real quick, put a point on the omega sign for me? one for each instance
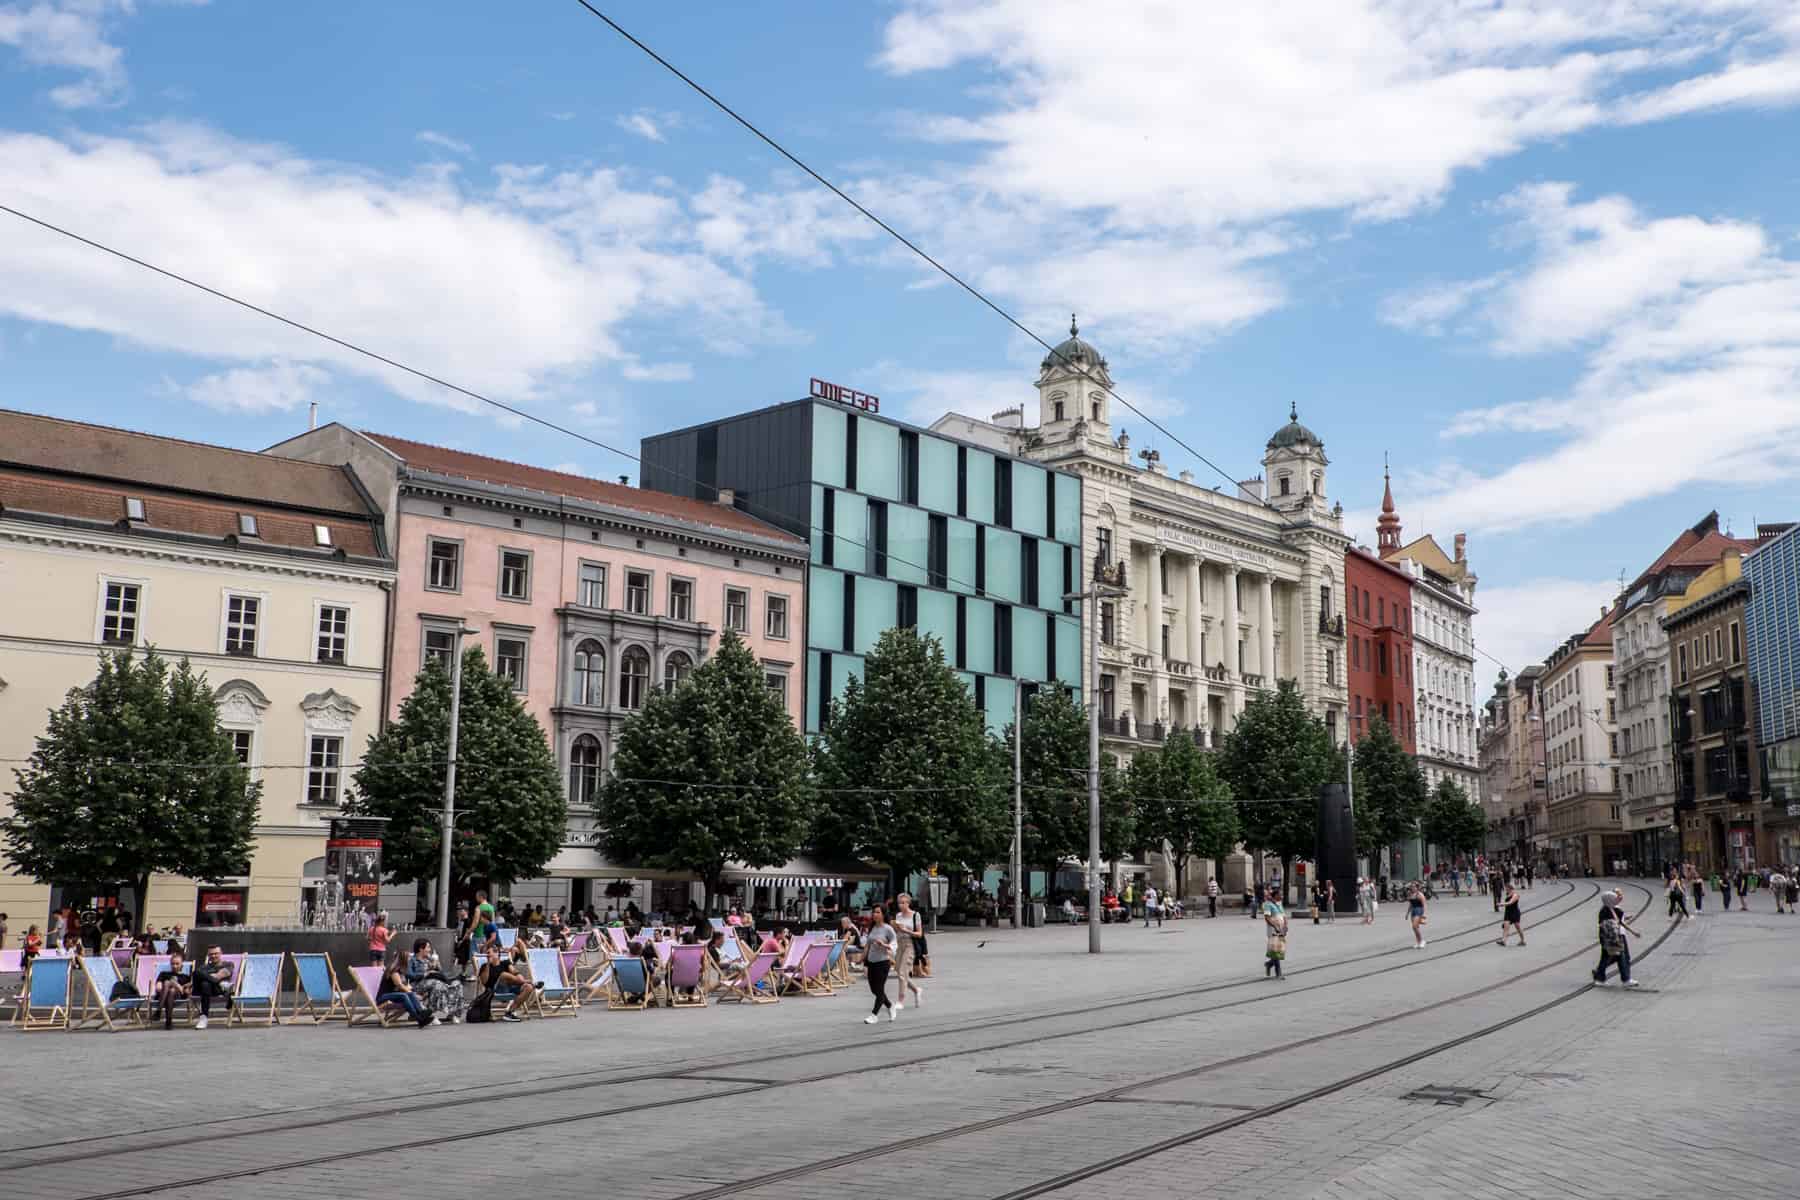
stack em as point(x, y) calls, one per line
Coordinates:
point(843, 395)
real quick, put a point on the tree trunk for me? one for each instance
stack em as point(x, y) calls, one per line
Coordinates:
point(1180, 875)
point(140, 897)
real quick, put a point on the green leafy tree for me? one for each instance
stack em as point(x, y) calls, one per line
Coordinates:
point(1451, 822)
point(510, 814)
point(907, 774)
point(1054, 786)
point(1275, 759)
point(711, 772)
point(1182, 804)
point(1390, 790)
point(133, 776)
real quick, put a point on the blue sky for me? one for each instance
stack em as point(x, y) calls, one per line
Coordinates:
point(1543, 255)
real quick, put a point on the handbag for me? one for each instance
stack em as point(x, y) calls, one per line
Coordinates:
point(481, 1009)
point(124, 989)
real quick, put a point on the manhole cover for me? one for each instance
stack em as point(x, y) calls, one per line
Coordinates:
point(1454, 1096)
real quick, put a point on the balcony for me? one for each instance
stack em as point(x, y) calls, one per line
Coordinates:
point(1253, 681)
point(1217, 674)
point(1178, 668)
point(1331, 626)
point(1141, 661)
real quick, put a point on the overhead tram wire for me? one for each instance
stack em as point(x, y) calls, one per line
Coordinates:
point(343, 343)
point(946, 272)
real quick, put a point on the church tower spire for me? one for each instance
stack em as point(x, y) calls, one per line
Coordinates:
point(1387, 525)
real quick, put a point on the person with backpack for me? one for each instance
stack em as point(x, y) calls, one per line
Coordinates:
point(1615, 928)
point(1677, 899)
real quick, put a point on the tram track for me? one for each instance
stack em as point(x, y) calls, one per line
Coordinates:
point(705, 1073)
point(46, 1154)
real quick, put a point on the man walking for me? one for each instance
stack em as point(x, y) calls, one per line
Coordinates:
point(1212, 897)
point(1496, 884)
point(1778, 883)
point(1615, 927)
point(1152, 907)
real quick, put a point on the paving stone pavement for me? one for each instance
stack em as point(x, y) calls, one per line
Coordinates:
point(1061, 1060)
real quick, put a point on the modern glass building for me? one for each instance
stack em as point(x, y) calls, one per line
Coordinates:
point(907, 528)
point(1772, 641)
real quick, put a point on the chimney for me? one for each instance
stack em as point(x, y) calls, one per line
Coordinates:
point(312, 415)
point(1187, 477)
point(624, 481)
point(1010, 418)
point(1251, 489)
point(1462, 546)
point(727, 498)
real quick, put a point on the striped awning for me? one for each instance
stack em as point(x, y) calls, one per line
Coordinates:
point(805, 881)
point(806, 871)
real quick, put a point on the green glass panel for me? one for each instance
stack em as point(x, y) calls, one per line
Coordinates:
point(978, 635)
point(1050, 575)
point(981, 487)
point(850, 522)
point(816, 537)
point(937, 474)
point(1068, 510)
point(877, 608)
point(909, 534)
point(825, 609)
point(962, 535)
point(812, 689)
point(999, 691)
point(829, 440)
point(937, 618)
point(878, 459)
point(844, 668)
point(1029, 485)
point(1028, 651)
point(1069, 650)
point(1003, 565)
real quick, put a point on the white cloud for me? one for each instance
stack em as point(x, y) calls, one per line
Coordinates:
point(925, 395)
point(277, 387)
point(1691, 375)
point(508, 291)
point(648, 124)
point(69, 35)
point(445, 142)
point(1428, 309)
point(669, 372)
point(1521, 623)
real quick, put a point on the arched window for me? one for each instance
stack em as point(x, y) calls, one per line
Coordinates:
point(634, 677)
point(676, 668)
point(584, 770)
point(1058, 409)
point(590, 674)
point(1285, 483)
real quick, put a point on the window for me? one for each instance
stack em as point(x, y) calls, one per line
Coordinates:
point(1058, 410)
point(637, 592)
point(584, 771)
point(1109, 626)
point(1325, 602)
point(324, 762)
point(775, 623)
point(440, 646)
point(590, 674)
point(444, 573)
point(247, 525)
point(240, 624)
point(242, 742)
point(590, 586)
point(1106, 697)
point(119, 620)
point(737, 610)
point(509, 660)
point(1165, 642)
point(1331, 667)
point(681, 600)
point(134, 509)
point(776, 682)
point(1095, 409)
point(1681, 663)
point(634, 677)
point(1737, 649)
point(1286, 484)
point(334, 633)
point(676, 668)
point(515, 575)
point(321, 535)
point(1103, 546)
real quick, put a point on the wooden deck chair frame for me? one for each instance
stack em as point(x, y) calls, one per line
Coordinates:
point(306, 1005)
point(558, 997)
point(266, 1009)
point(32, 1016)
point(387, 1017)
point(97, 1008)
point(616, 996)
point(749, 989)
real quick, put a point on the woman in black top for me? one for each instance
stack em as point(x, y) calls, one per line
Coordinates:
point(1510, 918)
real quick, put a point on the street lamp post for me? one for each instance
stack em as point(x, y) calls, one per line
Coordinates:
point(1018, 852)
point(449, 814)
point(1109, 583)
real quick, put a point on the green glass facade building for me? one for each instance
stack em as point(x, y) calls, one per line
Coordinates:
point(906, 528)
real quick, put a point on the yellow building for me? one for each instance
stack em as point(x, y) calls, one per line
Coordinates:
point(270, 575)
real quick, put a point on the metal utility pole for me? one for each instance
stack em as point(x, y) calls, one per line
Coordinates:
point(449, 813)
point(1018, 853)
point(1109, 583)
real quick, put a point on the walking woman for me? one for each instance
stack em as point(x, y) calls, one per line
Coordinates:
point(1365, 900)
point(1697, 884)
point(907, 929)
point(1677, 898)
point(1743, 891)
point(1276, 924)
point(879, 947)
point(1510, 918)
point(1415, 914)
point(1721, 881)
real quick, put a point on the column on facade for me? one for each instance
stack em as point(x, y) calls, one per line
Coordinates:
point(1266, 626)
point(1145, 588)
point(1197, 691)
point(1159, 686)
point(1230, 635)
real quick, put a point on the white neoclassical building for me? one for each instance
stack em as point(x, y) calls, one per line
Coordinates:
point(1230, 591)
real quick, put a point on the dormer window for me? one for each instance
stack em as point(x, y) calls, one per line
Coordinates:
point(1283, 484)
point(134, 509)
point(322, 535)
point(1096, 410)
point(247, 525)
point(1058, 410)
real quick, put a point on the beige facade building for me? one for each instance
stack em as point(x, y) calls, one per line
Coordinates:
point(272, 577)
point(1586, 825)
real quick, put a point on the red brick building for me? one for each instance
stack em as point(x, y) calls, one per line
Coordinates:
point(1378, 602)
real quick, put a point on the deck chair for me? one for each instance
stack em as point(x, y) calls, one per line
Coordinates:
point(808, 976)
point(149, 966)
point(11, 962)
point(595, 983)
point(629, 978)
point(366, 998)
point(835, 973)
point(757, 984)
point(507, 935)
point(617, 937)
point(44, 1004)
point(558, 997)
point(686, 975)
point(159, 945)
point(120, 952)
point(93, 983)
point(257, 996)
point(318, 996)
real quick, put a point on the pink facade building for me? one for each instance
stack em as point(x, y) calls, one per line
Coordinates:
point(585, 594)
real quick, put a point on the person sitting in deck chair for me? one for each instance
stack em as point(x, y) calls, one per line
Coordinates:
point(171, 987)
point(212, 977)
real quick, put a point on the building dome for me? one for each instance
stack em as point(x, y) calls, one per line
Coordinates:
point(1294, 433)
point(1074, 352)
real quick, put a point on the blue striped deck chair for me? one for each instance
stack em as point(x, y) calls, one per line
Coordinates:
point(507, 936)
point(836, 973)
point(558, 997)
point(628, 979)
point(160, 945)
point(94, 983)
point(44, 1004)
point(718, 923)
point(318, 996)
point(257, 997)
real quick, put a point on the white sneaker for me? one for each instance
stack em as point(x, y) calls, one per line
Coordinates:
point(436, 1019)
point(894, 1013)
point(869, 1020)
point(1422, 945)
point(897, 1007)
point(200, 1024)
point(919, 998)
point(1631, 983)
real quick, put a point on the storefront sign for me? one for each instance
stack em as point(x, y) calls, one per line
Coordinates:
point(1215, 551)
point(822, 390)
point(222, 902)
point(353, 858)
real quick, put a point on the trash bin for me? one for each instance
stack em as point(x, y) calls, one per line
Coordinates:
point(1035, 914)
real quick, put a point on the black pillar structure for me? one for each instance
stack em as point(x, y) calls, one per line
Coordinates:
point(1335, 853)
